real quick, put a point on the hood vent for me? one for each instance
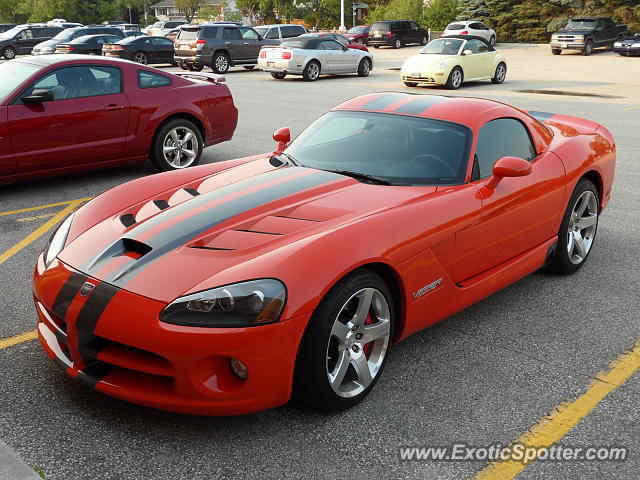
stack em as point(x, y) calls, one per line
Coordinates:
point(153, 207)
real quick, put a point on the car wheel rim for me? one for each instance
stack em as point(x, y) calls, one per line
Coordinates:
point(365, 68)
point(457, 78)
point(358, 342)
point(582, 227)
point(140, 58)
point(501, 73)
point(314, 71)
point(221, 63)
point(180, 147)
point(8, 54)
point(424, 41)
point(397, 43)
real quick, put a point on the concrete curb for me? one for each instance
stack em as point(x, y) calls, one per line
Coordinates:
point(13, 467)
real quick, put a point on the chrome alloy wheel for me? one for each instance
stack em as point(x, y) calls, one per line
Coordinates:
point(314, 71)
point(358, 343)
point(456, 78)
point(180, 147)
point(222, 64)
point(501, 73)
point(140, 58)
point(582, 227)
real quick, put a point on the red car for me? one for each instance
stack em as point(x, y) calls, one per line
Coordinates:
point(65, 113)
point(230, 287)
point(359, 34)
point(340, 39)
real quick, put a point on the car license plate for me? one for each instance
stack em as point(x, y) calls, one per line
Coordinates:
point(415, 74)
point(563, 45)
point(271, 64)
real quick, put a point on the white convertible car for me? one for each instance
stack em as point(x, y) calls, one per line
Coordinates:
point(452, 60)
point(312, 57)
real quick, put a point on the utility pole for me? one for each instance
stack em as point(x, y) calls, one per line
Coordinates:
point(342, 27)
point(146, 21)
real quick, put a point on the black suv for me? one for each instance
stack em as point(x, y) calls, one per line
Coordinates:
point(396, 33)
point(69, 34)
point(218, 46)
point(6, 26)
point(20, 40)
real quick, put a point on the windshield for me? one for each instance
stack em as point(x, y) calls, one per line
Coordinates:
point(65, 35)
point(13, 74)
point(380, 27)
point(579, 24)
point(356, 30)
point(11, 32)
point(400, 149)
point(443, 46)
point(455, 26)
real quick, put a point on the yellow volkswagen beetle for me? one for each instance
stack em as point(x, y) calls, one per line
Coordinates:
point(452, 60)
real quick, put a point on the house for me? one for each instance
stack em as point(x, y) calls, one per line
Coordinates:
point(166, 9)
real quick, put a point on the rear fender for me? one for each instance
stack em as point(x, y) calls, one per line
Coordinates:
point(565, 123)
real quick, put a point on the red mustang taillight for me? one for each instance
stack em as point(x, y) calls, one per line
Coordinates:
point(283, 54)
point(263, 54)
point(286, 55)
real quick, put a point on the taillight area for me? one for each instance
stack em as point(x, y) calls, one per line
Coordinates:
point(276, 54)
point(263, 54)
point(286, 55)
point(389, 34)
point(464, 32)
point(117, 47)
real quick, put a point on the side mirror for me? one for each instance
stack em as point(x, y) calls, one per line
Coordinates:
point(283, 137)
point(466, 52)
point(38, 96)
point(506, 167)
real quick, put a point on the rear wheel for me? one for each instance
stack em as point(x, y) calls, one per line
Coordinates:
point(397, 43)
point(500, 73)
point(344, 348)
point(423, 41)
point(578, 229)
point(588, 48)
point(376, 46)
point(183, 66)
point(141, 58)
point(194, 68)
point(456, 77)
point(178, 144)
point(364, 68)
point(9, 53)
point(220, 63)
point(249, 67)
point(312, 71)
point(556, 51)
point(492, 40)
point(278, 75)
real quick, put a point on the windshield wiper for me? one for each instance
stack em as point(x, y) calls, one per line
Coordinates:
point(290, 159)
point(363, 176)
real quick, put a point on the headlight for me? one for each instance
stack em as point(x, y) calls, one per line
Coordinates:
point(636, 45)
point(443, 64)
point(246, 304)
point(579, 37)
point(57, 241)
point(617, 44)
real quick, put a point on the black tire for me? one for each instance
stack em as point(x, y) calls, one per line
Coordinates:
point(220, 63)
point(183, 66)
point(141, 58)
point(397, 43)
point(360, 41)
point(492, 40)
point(561, 260)
point(194, 67)
point(249, 67)
point(312, 71)
point(278, 75)
point(376, 46)
point(311, 384)
point(157, 155)
point(588, 48)
point(423, 41)
point(411, 84)
point(499, 75)
point(364, 68)
point(453, 83)
point(556, 51)
point(9, 53)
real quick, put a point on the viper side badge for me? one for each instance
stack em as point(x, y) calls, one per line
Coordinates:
point(427, 288)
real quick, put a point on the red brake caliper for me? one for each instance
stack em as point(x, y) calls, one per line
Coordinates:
point(367, 347)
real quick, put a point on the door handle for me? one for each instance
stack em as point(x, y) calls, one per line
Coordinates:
point(114, 108)
point(246, 43)
point(227, 43)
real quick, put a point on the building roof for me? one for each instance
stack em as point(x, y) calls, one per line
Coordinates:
point(172, 3)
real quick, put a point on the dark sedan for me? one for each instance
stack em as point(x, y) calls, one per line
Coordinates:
point(87, 45)
point(143, 50)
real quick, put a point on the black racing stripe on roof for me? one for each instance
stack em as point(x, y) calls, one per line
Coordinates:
point(420, 104)
point(384, 101)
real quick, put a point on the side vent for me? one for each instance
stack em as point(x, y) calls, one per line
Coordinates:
point(134, 248)
point(192, 191)
point(161, 204)
point(128, 220)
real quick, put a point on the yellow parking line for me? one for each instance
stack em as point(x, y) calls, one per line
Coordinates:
point(23, 337)
point(35, 217)
point(567, 415)
point(41, 207)
point(71, 206)
point(632, 108)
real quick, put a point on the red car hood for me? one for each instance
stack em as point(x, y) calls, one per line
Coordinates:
point(162, 247)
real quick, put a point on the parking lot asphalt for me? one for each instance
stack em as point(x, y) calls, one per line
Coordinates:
point(486, 375)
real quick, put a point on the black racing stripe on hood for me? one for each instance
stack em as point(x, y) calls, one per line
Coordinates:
point(420, 104)
point(67, 293)
point(384, 101)
point(181, 233)
point(91, 312)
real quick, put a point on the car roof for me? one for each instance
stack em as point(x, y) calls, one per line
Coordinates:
point(310, 42)
point(48, 60)
point(279, 25)
point(84, 38)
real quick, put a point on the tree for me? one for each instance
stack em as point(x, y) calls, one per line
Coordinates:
point(189, 7)
point(322, 13)
point(440, 13)
point(404, 9)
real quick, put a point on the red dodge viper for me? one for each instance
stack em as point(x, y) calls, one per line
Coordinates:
point(230, 287)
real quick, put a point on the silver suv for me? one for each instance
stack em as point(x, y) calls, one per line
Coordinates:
point(218, 46)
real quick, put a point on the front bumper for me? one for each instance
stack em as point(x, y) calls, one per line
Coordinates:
point(113, 341)
point(438, 77)
point(567, 45)
point(627, 50)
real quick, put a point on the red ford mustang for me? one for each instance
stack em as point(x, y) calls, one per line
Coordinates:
point(65, 113)
point(226, 288)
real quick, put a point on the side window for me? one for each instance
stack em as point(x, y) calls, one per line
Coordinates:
point(210, 32)
point(147, 42)
point(272, 34)
point(504, 137)
point(152, 80)
point(25, 35)
point(79, 82)
point(414, 26)
point(231, 34)
point(161, 42)
point(79, 33)
point(249, 33)
point(290, 32)
point(475, 46)
point(331, 45)
point(475, 26)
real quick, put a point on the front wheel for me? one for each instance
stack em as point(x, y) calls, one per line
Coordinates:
point(312, 71)
point(397, 43)
point(344, 348)
point(455, 79)
point(500, 74)
point(220, 63)
point(141, 58)
point(178, 144)
point(492, 40)
point(364, 68)
point(423, 40)
point(194, 68)
point(411, 84)
point(278, 75)
point(588, 48)
point(578, 229)
point(376, 46)
point(556, 51)
point(9, 53)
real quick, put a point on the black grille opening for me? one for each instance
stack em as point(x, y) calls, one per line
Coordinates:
point(134, 246)
point(128, 220)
